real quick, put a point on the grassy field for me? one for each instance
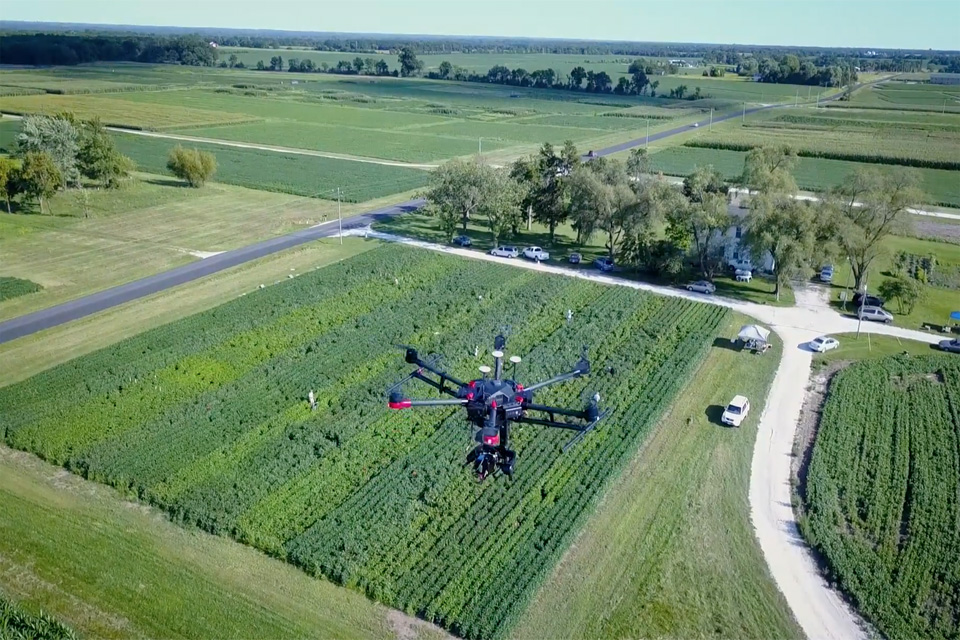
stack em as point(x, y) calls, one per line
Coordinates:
point(815, 174)
point(281, 459)
point(880, 501)
point(114, 569)
point(868, 347)
point(670, 552)
point(937, 302)
point(150, 225)
point(906, 95)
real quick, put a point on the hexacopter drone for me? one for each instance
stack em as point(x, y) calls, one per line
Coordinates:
point(492, 403)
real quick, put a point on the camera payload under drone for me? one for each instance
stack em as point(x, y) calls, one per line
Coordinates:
point(493, 403)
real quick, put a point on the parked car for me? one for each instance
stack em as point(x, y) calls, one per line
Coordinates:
point(591, 154)
point(823, 344)
point(826, 273)
point(741, 265)
point(701, 286)
point(463, 241)
point(736, 412)
point(743, 275)
point(871, 301)
point(535, 253)
point(604, 263)
point(950, 345)
point(875, 314)
point(505, 252)
point(695, 125)
point(574, 258)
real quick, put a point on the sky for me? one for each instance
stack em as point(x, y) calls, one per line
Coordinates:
point(907, 24)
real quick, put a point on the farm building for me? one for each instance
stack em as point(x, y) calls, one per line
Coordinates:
point(945, 78)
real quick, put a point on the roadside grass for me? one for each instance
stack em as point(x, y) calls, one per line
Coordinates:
point(34, 353)
point(148, 226)
point(868, 347)
point(937, 302)
point(423, 227)
point(670, 551)
point(113, 569)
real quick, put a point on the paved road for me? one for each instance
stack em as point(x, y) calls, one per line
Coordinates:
point(75, 309)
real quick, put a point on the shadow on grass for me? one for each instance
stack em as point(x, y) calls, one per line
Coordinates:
point(726, 343)
point(714, 412)
point(167, 182)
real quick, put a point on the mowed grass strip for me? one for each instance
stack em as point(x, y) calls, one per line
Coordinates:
point(297, 174)
point(670, 551)
point(117, 112)
point(111, 569)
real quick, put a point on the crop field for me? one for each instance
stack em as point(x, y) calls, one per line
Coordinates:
point(207, 419)
point(113, 111)
point(297, 174)
point(941, 187)
point(23, 624)
point(13, 287)
point(881, 498)
point(906, 95)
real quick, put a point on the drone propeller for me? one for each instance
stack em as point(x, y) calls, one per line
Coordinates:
point(431, 360)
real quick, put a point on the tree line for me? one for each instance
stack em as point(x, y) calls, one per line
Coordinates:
point(57, 152)
point(59, 49)
point(649, 224)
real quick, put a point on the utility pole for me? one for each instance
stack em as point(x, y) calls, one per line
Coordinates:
point(710, 126)
point(647, 143)
point(480, 146)
point(743, 117)
point(818, 99)
point(339, 217)
point(796, 100)
point(809, 89)
point(862, 300)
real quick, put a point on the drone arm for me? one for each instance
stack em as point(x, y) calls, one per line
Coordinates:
point(413, 358)
point(543, 422)
point(406, 403)
point(556, 410)
point(440, 386)
point(583, 368)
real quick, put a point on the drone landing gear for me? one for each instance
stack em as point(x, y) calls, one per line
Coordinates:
point(487, 460)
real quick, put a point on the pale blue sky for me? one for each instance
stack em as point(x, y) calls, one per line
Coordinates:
point(914, 24)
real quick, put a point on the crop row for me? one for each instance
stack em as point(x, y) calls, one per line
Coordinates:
point(207, 418)
point(882, 499)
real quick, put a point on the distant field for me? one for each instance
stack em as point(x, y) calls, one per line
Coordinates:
point(113, 111)
point(287, 173)
point(941, 186)
point(906, 95)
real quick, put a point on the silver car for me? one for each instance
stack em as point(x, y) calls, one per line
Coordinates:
point(875, 314)
point(701, 286)
point(505, 252)
point(950, 345)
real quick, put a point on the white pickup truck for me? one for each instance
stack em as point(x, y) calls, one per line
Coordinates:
point(535, 253)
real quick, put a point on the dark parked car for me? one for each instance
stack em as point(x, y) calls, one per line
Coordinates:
point(462, 241)
point(871, 301)
point(604, 263)
point(950, 345)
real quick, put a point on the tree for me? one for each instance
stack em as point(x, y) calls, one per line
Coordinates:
point(98, 156)
point(54, 135)
point(192, 165)
point(768, 169)
point(784, 228)
point(501, 204)
point(603, 200)
point(653, 88)
point(39, 176)
point(549, 198)
point(867, 207)
point(233, 60)
point(382, 68)
point(358, 64)
point(409, 64)
point(525, 172)
point(906, 291)
point(445, 69)
point(260, 65)
point(701, 221)
point(458, 189)
point(276, 63)
point(9, 179)
point(577, 75)
point(638, 164)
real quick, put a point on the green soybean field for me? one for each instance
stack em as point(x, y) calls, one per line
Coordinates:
point(207, 418)
point(882, 497)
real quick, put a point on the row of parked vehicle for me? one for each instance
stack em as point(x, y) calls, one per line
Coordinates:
point(538, 254)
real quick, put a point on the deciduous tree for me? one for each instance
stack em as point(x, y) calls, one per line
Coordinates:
point(39, 176)
point(192, 165)
point(98, 156)
point(410, 65)
point(9, 176)
point(57, 137)
point(457, 192)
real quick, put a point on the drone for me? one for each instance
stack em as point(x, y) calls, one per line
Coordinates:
point(493, 403)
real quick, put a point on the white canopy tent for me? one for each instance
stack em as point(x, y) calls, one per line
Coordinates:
point(750, 332)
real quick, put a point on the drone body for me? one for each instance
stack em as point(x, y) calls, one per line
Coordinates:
point(493, 403)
